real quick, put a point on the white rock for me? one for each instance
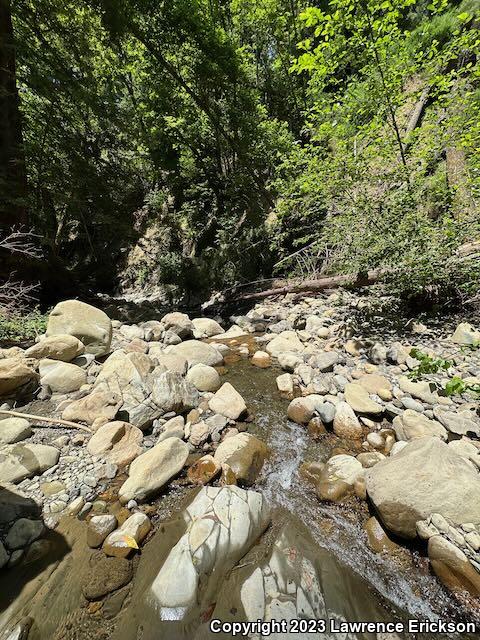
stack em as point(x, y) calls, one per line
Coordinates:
point(228, 402)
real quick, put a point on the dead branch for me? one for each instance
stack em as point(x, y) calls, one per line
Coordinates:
point(64, 423)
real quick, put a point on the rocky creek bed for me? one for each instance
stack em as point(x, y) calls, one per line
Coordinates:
point(301, 464)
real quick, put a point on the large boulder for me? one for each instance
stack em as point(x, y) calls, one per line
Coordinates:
point(245, 454)
point(14, 374)
point(465, 334)
point(95, 409)
point(425, 477)
point(61, 347)
point(459, 422)
point(301, 410)
point(146, 393)
point(14, 430)
point(222, 525)
point(411, 425)
point(285, 341)
point(169, 361)
point(153, 469)
point(61, 377)
point(228, 402)
point(178, 323)
point(116, 442)
point(90, 325)
point(196, 352)
point(18, 461)
point(206, 328)
point(338, 477)
point(452, 566)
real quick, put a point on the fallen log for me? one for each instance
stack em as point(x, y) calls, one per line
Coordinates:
point(328, 282)
point(53, 421)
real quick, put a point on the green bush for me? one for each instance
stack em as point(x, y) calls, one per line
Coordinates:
point(20, 329)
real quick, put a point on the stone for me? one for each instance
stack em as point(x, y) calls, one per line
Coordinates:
point(15, 504)
point(301, 410)
point(204, 470)
point(261, 359)
point(20, 461)
point(95, 409)
point(135, 528)
point(57, 347)
point(178, 323)
point(204, 378)
point(196, 352)
point(465, 448)
point(228, 402)
point(245, 454)
point(61, 377)
point(289, 361)
point(452, 566)
point(324, 361)
point(284, 341)
point(345, 422)
point(358, 398)
point(14, 374)
point(425, 477)
point(377, 537)
point(411, 425)
point(90, 325)
point(76, 506)
point(170, 361)
point(206, 328)
point(132, 331)
point(370, 458)
point(153, 469)
point(374, 383)
point(116, 442)
point(98, 529)
point(173, 428)
point(420, 390)
point(460, 422)
point(199, 433)
point(14, 430)
point(338, 477)
point(107, 575)
point(222, 525)
point(465, 334)
point(285, 383)
point(377, 353)
point(23, 532)
point(52, 488)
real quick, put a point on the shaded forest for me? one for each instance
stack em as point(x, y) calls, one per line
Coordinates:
point(183, 147)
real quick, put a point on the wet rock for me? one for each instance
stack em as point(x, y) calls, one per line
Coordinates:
point(116, 442)
point(178, 323)
point(465, 334)
point(98, 529)
point(150, 471)
point(90, 325)
point(425, 477)
point(301, 410)
point(204, 378)
point(58, 347)
point(460, 422)
point(411, 425)
point(14, 430)
point(223, 523)
point(358, 398)
point(261, 359)
point(133, 531)
point(61, 377)
point(196, 352)
point(338, 477)
point(316, 428)
point(107, 575)
point(345, 422)
point(14, 374)
point(452, 566)
point(204, 470)
point(245, 454)
point(370, 458)
point(23, 532)
point(228, 402)
point(206, 328)
point(4, 557)
point(377, 538)
point(20, 461)
point(286, 341)
point(20, 631)
point(227, 476)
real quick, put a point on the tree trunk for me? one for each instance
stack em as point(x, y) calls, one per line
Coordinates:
point(13, 182)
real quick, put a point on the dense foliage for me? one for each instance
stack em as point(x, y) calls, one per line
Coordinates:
point(198, 143)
